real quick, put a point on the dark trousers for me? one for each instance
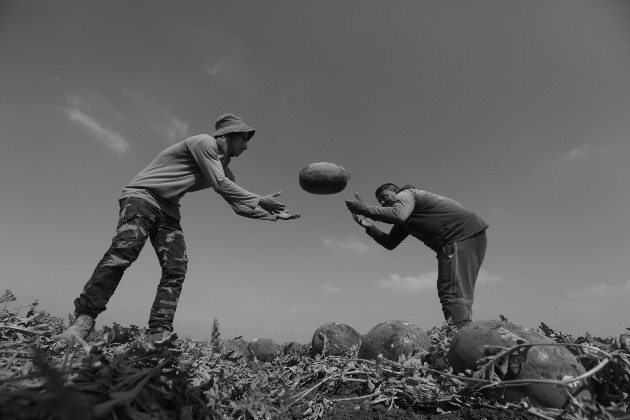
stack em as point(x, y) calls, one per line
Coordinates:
point(458, 266)
point(138, 221)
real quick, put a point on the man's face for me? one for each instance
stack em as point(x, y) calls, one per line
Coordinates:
point(237, 144)
point(386, 198)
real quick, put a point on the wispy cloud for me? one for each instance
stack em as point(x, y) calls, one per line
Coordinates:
point(222, 55)
point(413, 284)
point(136, 96)
point(331, 289)
point(580, 153)
point(217, 68)
point(352, 243)
point(486, 277)
point(174, 128)
point(157, 117)
point(581, 307)
point(589, 298)
point(106, 136)
point(613, 154)
point(425, 281)
point(599, 290)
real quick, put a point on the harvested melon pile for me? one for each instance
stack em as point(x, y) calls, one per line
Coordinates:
point(493, 369)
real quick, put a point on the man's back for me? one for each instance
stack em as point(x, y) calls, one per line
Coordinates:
point(437, 220)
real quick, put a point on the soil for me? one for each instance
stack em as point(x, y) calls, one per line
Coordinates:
point(350, 411)
point(355, 410)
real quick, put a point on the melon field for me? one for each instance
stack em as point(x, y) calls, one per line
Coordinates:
point(340, 373)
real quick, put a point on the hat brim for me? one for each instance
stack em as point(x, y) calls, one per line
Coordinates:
point(236, 128)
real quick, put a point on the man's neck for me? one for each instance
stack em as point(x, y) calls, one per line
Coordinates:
point(223, 148)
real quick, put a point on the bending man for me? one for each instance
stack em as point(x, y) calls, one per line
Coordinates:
point(456, 234)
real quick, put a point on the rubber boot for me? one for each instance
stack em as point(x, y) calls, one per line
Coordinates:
point(460, 314)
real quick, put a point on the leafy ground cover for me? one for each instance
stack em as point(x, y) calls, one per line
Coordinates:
point(117, 375)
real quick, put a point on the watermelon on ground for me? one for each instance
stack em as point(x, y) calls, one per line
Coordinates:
point(236, 348)
point(542, 362)
point(264, 349)
point(392, 339)
point(292, 347)
point(334, 339)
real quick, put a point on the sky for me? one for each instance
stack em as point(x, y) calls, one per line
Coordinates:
point(518, 110)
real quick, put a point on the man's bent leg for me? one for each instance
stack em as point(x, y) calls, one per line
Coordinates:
point(458, 267)
point(170, 249)
point(137, 218)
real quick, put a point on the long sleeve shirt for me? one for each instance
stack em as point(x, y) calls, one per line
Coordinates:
point(433, 219)
point(197, 163)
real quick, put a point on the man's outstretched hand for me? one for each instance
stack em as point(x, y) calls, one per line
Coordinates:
point(284, 215)
point(356, 206)
point(270, 204)
point(362, 221)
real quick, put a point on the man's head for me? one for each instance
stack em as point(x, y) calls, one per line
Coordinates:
point(386, 194)
point(236, 143)
point(235, 131)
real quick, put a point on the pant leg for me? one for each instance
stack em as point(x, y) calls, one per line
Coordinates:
point(458, 267)
point(170, 249)
point(136, 220)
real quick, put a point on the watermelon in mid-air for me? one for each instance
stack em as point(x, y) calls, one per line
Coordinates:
point(323, 178)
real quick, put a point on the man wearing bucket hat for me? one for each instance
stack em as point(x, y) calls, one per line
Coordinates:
point(149, 209)
point(456, 234)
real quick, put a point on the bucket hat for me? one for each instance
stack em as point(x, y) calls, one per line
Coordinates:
point(230, 123)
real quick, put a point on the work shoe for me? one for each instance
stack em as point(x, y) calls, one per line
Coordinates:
point(80, 328)
point(159, 337)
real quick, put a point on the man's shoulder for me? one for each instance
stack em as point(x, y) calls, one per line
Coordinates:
point(202, 142)
point(201, 139)
point(408, 194)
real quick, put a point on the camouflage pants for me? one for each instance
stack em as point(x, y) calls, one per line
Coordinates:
point(138, 221)
point(458, 266)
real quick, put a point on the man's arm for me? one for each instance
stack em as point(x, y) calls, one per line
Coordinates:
point(399, 212)
point(204, 151)
point(390, 240)
point(229, 174)
point(259, 213)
